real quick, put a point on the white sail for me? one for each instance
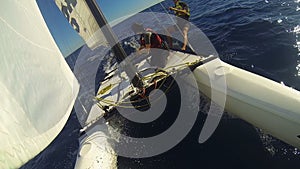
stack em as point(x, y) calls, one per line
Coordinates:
point(82, 20)
point(38, 89)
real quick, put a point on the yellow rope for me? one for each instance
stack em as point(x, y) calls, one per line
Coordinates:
point(121, 104)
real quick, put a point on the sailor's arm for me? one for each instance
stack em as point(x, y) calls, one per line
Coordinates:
point(148, 40)
point(179, 10)
point(146, 47)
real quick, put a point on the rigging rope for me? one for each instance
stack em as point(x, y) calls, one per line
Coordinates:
point(122, 104)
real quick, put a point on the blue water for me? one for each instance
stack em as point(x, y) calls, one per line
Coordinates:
point(259, 36)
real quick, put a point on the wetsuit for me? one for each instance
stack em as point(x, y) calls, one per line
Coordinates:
point(158, 47)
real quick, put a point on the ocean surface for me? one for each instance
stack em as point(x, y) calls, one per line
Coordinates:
point(260, 36)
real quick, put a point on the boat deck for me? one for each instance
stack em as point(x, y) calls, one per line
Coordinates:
point(117, 90)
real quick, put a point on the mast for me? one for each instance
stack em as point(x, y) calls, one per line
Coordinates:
point(117, 49)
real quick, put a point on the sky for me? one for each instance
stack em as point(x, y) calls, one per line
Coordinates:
point(66, 37)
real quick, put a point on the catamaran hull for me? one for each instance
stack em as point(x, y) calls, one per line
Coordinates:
point(96, 150)
point(266, 104)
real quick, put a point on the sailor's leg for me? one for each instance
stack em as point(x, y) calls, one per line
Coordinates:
point(185, 37)
point(170, 30)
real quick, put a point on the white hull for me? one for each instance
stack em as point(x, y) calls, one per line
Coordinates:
point(266, 104)
point(96, 150)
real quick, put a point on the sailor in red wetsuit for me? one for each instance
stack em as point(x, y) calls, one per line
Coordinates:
point(153, 43)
